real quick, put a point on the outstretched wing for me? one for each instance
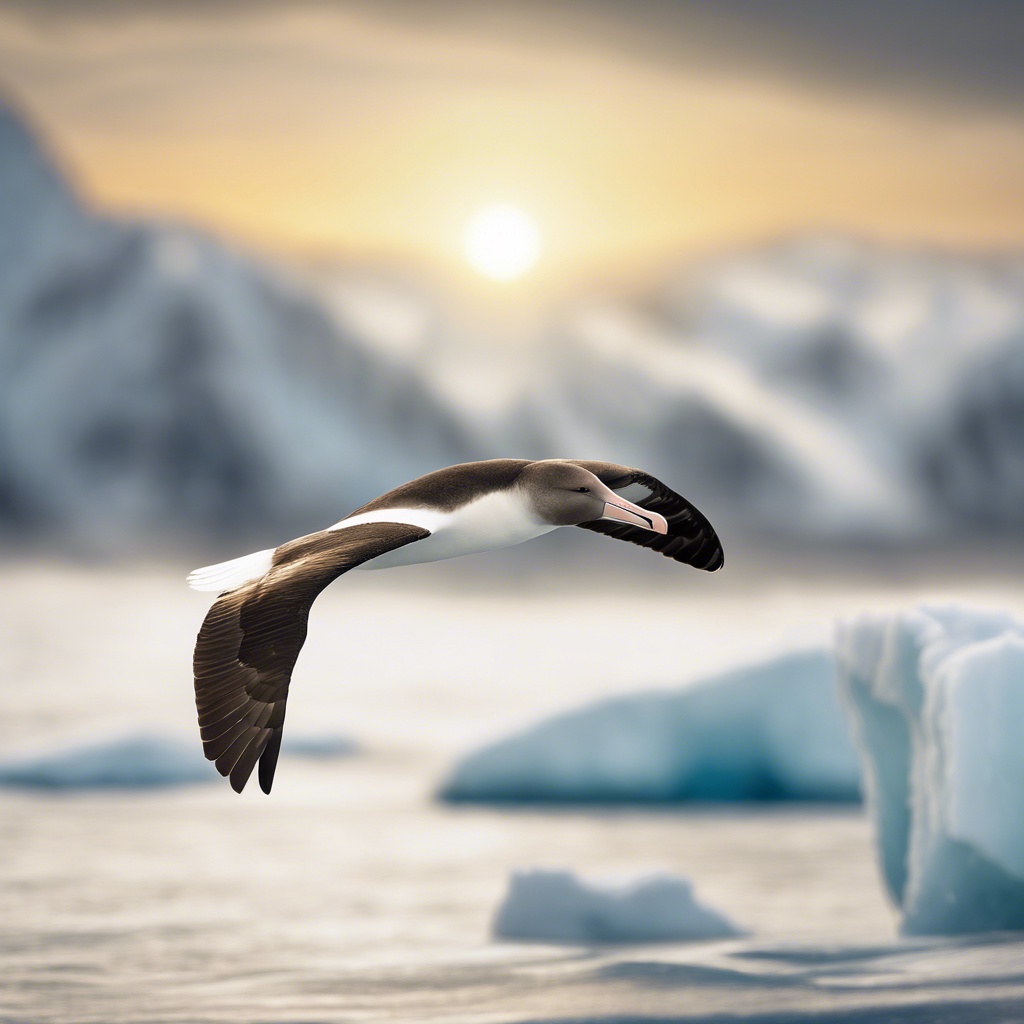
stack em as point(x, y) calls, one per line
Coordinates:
point(249, 641)
point(690, 538)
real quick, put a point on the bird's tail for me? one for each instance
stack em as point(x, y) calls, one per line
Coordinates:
point(229, 575)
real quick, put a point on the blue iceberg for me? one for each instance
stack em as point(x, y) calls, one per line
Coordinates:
point(139, 761)
point(142, 760)
point(773, 731)
point(937, 699)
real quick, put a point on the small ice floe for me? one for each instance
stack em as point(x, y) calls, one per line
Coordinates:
point(772, 731)
point(547, 905)
point(140, 760)
point(937, 698)
point(134, 761)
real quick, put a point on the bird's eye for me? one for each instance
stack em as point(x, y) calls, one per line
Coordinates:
point(583, 490)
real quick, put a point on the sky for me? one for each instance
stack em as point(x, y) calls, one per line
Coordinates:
point(631, 133)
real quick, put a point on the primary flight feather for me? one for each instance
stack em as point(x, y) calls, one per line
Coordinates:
point(251, 637)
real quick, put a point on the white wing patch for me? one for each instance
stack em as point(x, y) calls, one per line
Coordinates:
point(229, 575)
point(431, 519)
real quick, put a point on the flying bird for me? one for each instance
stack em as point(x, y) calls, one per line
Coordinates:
point(251, 637)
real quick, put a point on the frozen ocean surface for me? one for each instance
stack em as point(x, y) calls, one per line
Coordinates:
point(351, 894)
point(938, 697)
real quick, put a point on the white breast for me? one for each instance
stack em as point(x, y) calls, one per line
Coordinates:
point(497, 520)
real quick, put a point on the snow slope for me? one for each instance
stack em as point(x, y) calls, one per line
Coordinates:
point(773, 731)
point(937, 699)
point(557, 906)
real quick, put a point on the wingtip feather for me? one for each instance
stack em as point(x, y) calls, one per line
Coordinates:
point(268, 761)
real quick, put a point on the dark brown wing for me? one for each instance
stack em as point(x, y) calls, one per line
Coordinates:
point(690, 538)
point(248, 644)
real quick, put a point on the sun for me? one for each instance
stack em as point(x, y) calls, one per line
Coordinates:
point(502, 242)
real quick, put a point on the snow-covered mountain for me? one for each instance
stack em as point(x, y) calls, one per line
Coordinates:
point(819, 386)
point(153, 380)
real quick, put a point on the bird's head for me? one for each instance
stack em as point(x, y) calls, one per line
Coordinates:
point(566, 495)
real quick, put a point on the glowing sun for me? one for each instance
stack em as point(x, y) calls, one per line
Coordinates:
point(502, 242)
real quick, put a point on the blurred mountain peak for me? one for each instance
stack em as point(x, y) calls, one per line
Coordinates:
point(154, 383)
point(35, 199)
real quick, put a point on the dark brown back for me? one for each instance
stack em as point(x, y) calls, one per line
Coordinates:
point(450, 488)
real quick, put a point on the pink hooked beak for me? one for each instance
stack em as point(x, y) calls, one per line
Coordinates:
point(626, 512)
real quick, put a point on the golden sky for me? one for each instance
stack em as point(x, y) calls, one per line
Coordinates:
point(333, 128)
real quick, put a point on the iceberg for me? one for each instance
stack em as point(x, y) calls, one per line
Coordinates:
point(937, 701)
point(772, 731)
point(557, 906)
point(141, 760)
point(138, 761)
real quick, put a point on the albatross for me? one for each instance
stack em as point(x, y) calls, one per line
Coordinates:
point(251, 637)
